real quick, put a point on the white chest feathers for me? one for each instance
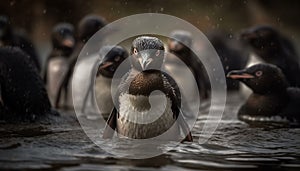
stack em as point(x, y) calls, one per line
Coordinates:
point(57, 68)
point(142, 117)
point(103, 88)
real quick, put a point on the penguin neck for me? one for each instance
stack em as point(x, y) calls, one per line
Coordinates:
point(280, 94)
point(60, 51)
point(272, 91)
point(274, 56)
point(264, 104)
point(145, 82)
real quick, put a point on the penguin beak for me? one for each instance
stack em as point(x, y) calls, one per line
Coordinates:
point(145, 60)
point(175, 45)
point(239, 74)
point(68, 42)
point(105, 65)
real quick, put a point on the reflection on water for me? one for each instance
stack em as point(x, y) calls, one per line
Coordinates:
point(234, 146)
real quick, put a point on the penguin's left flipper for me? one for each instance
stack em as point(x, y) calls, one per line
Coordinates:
point(111, 124)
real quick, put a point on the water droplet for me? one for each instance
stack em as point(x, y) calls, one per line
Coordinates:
point(207, 18)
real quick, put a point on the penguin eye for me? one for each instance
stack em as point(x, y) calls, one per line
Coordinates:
point(135, 51)
point(157, 53)
point(117, 58)
point(258, 73)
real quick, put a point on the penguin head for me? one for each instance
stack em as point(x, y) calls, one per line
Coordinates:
point(5, 28)
point(179, 40)
point(261, 78)
point(63, 36)
point(112, 57)
point(147, 53)
point(88, 26)
point(263, 39)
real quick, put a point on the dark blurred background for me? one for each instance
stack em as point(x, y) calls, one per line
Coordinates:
point(37, 17)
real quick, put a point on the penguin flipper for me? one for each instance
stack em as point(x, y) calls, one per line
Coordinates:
point(174, 93)
point(185, 128)
point(111, 124)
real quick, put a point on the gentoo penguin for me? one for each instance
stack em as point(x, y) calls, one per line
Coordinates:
point(231, 52)
point(274, 48)
point(63, 42)
point(87, 27)
point(111, 57)
point(10, 37)
point(23, 95)
point(272, 99)
point(148, 100)
point(179, 45)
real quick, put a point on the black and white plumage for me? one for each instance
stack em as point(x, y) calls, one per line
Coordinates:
point(23, 95)
point(111, 57)
point(272, 99)
point(148, 100)
point(63, 42)
point(11, 37)
point(87, 27)
point(274, 48)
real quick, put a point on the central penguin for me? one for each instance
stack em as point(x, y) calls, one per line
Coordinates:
point(148, 101)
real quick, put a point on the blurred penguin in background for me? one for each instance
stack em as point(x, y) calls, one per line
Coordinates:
point(110, 59)
point(274, 48)
point(56, 66)
point(11, 37)
point(178, 46)
point(231, 53)
point(87, 27)
point(23, 95)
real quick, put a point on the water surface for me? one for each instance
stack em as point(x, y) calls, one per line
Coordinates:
point(234, 146)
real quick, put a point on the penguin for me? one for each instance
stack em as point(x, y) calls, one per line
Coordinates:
point(139, 112)
point(111, 57)
point(23, 95)
point(10, 37)
point(232, 54)
point(274, 48)
point(87, 27)
point(177, 48)
point(272, 98)
point(63, 42)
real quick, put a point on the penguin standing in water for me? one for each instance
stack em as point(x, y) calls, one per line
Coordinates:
point(232, 54)
point(87, 27)
point(10, 37)
point(111, 58)
point(148, 100)
point(63, 42)
point(178, 49)
point(272, 47)
point(272, 100)
point(23, 95)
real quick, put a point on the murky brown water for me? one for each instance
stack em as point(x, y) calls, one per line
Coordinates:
point(234, 146)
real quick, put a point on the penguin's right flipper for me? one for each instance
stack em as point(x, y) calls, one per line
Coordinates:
point(185, 128)
point(111, 124)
